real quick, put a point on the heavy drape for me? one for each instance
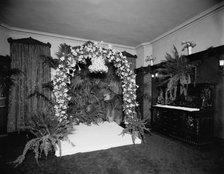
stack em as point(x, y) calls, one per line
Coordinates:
point(26, 55)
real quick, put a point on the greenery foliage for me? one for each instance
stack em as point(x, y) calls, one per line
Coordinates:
point(137, 128)
point(53, 63)
point(87, 91)
point(175, 71)
point(47, 131)
point(46, 128)
point(85, 106)
point(6, 78)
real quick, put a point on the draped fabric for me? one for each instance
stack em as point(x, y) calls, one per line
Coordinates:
point(26, 55)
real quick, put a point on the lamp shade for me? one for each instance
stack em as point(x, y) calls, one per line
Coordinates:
point(221, 61)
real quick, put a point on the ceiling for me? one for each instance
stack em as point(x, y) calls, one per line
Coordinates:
point(126, 22)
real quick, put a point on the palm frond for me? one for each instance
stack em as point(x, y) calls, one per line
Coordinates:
point(64, 50)
point(53, 63)
point(48, 131)
point(29, 145)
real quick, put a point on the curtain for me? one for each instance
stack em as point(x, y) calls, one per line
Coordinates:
point(26, 55)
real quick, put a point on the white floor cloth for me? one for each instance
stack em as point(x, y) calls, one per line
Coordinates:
point(95, 137)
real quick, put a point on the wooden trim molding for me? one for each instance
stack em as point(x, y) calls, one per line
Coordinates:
point(28, 40)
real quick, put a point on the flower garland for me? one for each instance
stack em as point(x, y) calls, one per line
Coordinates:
point(93, 51)
point(98, 65)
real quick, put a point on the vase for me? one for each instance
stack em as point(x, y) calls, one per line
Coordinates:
point(189, 50)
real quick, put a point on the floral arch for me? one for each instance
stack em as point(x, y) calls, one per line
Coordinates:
point(68, 58)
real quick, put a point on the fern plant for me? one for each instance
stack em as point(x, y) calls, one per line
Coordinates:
point(88, 92)
point(85, 105)
point(137, 128)
point(175, 71)
point(6, 78)
point(47, 131)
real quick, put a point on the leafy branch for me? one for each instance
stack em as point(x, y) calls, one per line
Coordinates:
point(175, 71)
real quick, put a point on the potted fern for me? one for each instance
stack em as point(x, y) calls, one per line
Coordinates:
point(137, 128)
point(46, 128)
point(6, 78)
point(47, 132)
point(175, 71)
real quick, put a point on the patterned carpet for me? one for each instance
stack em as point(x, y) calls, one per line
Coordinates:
point(159, 155)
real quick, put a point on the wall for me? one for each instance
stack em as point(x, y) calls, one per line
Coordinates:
point(205, 30)
point(4, 45)
point(143, 51)
point(140, 54)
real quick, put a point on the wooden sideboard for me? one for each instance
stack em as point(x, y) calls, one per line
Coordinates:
point(191, 125)
point(5, 62)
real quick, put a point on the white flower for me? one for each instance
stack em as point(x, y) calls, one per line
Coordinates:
point(62, 58)
point(98, 65)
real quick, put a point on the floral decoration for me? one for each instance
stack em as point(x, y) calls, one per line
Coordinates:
point(98, 65)
point(68, 63)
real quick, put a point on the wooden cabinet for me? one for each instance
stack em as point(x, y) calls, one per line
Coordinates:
point(4, 93)
point(143, 80)
point(191, 119)
point(191, 125)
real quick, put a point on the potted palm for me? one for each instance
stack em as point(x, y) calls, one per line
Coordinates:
point(6, 79)
point(47, 131)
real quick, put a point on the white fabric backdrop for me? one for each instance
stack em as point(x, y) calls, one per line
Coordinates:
point(95, 137)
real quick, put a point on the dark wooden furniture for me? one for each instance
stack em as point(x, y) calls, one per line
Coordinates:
point(143, 80)
point(191, 125)
point(193, 121)
point(5, 62)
